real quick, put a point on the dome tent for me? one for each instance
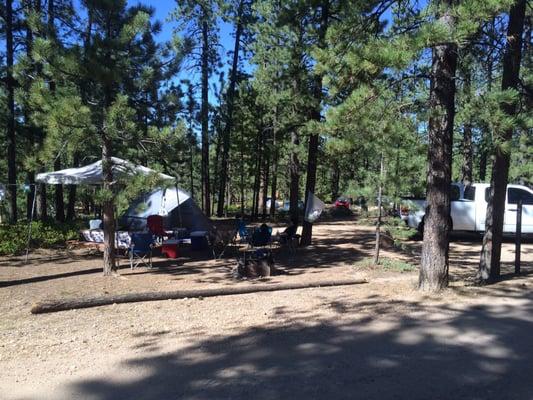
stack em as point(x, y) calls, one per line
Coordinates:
point(176, 206)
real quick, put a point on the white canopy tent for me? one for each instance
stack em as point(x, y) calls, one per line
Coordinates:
point(92, 174)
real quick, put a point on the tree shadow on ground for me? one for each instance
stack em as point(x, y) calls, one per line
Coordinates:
point(372, 349)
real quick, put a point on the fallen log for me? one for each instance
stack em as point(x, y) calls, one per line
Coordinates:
point(48, 306)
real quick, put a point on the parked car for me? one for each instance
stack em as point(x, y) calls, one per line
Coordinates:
point(469, 208)
point(287, 205)
point(342, 202)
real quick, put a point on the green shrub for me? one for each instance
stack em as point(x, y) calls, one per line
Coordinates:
point(399, 230)
point(387, 264)
point(13, 238)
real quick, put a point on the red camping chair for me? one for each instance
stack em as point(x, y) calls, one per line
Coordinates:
point(155, 226)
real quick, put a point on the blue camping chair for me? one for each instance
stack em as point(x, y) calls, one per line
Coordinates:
point(243, 231)
point(140, 250)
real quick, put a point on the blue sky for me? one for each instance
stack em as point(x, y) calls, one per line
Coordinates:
point(163, 8)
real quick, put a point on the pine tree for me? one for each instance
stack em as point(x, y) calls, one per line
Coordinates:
point(198, 22)
point(489, 265)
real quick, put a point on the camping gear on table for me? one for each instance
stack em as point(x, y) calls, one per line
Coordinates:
point(140, 250)
point(154, 224)
point(122, 238)
point(199, 240)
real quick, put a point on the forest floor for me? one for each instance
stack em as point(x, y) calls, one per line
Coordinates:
point(380, 340)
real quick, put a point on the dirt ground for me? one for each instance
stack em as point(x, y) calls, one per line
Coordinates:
point(380, 340)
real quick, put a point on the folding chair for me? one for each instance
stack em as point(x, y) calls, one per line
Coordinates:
point(140, 250)
point(243, 231)
point(155, 227)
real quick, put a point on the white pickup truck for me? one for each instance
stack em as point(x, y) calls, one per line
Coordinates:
point(469, 208)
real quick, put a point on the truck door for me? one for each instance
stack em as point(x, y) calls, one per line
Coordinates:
point(513, 195)
point(464, 211)
point(481, 200)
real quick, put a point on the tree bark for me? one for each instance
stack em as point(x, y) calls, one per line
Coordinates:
point(266, 173)
point(378, 224)
point(230, 106)
point(434, 260)
point(489, 264)
point(11, 136)
point(274, 187)
point(468, 154)
point(206, 195)
point(294, 188)
point(257, 177)
point(335, 177)
point(108, 209)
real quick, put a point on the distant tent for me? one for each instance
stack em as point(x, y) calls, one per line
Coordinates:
point(176, 207)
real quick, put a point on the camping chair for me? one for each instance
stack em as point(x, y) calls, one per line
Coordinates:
point(155, 227)
point(140, 250)
point(221, 240)
point(261, 236)
point(243, 231)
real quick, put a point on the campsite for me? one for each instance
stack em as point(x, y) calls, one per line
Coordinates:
point(264, 199)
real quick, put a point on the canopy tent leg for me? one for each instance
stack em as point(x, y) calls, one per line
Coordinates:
point(29, 226)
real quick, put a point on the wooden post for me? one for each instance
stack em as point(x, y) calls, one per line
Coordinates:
point(518, 237)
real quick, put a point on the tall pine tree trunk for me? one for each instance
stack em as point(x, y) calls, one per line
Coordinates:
point(266, 177)
point(31, 131)
point(230, 106)
point(206, 195)
point(273, 193)
point(489, 265)
point(58, 195)
point(11, 137)
point(108, 208)
point(380, 202)
point(485, 129)
point(312, 154)
point(434, 260)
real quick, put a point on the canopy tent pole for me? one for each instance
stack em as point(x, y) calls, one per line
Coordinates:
point(29, 226)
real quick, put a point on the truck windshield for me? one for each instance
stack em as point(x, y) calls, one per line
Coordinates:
point(455, 193)
point(515, 194)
